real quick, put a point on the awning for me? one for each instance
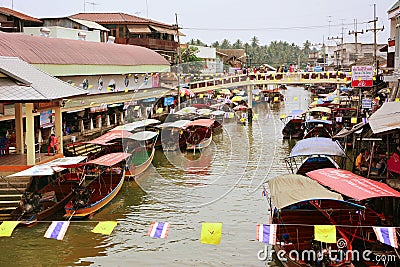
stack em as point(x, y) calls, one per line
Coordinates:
point(90, 24)
point(201, 122)
point(320, 109)
point(386, 118)
point(143, 136)
point(179, 124)
point(110, 159)
point(289, 189)
point(49, 168)
point(352, 185)
point(136, 124)
point(317, 146)
point(345, 132)
point(165, 30)
point(111, 135)
point(186, 110)
point(139, 29)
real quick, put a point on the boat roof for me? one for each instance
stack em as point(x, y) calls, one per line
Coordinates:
point(318, 121)
point(217, 112)
point(49, 168)
point(111, 135)
point(204, 111)
point(352, 185)
point(143, 135)
point(136, 124)
point(110, 159)
point(179, 124)
point(295, 113)
point(289, 189)
point(317, 146)
point(386, 118)
point(320, 109)
point(345, 132)
point(201, 122)
point(186, 110)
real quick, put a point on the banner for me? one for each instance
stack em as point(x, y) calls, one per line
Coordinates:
point(46, 119)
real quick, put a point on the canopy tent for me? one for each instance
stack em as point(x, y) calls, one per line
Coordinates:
point(111, 135)
point(237, 98)
point(317, 146)
point(320, 109)
point(49, 168)
point(352, 185)
point(110, 159)
point(143, 136)
point(136, 124)
point(386, 118)
point(201, 122)
point(289, 189)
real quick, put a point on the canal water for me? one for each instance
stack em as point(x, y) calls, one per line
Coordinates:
point(222, 184)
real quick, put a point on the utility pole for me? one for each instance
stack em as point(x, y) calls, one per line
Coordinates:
point(338, 53)
point(375, 30)
point(179, 60)
point(355, 32)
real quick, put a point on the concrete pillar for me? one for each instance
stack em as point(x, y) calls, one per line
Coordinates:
point(58, 128)
point(19, 129)
point(115, 119)
point(30, 135)
point(99, 121)
point(250, 103)
point(108, 120)
point(91, 124)
point(81, 126)
point(121, 118)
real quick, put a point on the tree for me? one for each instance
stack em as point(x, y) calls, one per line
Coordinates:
point(238, 44)
point(225, 44)
point(255, 42)
point(215, 44)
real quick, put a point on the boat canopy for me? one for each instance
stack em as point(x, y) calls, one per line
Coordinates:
point(49, 168)
point(143, 136)
point(295, 113)
point(136, 124)
point(352, 185)
point(204, 111)
point(111, 135)
point(110, 159)
point(386, 118)
point(179, 124)
point(289, 189)
point(320, 109)
point(186, 110)
point(318, 121)
point(201, 122)
point(345, 132)
point(317, 146)
point(218, 113)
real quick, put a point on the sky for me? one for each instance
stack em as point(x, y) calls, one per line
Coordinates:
point(294, 21)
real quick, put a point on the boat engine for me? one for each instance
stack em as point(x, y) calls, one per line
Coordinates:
point(81, 197)
point(30, 202)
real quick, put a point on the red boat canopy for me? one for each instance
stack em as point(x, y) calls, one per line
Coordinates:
point(201, 122)
point(111, 135)
point(110, 159)
point(352, 185)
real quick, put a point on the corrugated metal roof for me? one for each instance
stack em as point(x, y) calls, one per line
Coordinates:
point(27, 83)
point(90, 24)
point(21, 16)
point(44, 50)
point(386, 118)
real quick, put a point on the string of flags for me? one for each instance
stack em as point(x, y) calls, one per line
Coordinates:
point(211, 233)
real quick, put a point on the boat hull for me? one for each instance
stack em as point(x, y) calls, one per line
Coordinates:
point(136, 170)
point(203, 144)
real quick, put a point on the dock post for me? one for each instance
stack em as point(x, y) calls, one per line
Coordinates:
point(250, 103)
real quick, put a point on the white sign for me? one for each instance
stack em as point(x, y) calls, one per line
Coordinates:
point(361, 76)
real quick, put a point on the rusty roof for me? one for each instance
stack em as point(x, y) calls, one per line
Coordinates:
point(44, 50)
point(117, 18)
point(10, 12)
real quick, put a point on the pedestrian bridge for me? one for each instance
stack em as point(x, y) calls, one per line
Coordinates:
point(262, 79)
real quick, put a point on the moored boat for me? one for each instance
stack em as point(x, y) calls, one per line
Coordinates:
point(293, 125)
point(198, 134)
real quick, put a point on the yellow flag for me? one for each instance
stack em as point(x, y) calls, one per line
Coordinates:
point(325, 233)
point(126, 90)
point(397, 100)
point(211, 233)
point(324, 118)
point(256, 98)
point(315, 98)
point(105, 227)
point(283, 116)
point(353, 120)
point(255, 117)
point(90, 86)
point(136, 108)
point(295, 98)
point(276, 99)
point(159, 110)
point(7, 227)
point(231, 115)
point(201, 96)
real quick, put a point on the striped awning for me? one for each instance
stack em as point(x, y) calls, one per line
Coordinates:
point(139, 29)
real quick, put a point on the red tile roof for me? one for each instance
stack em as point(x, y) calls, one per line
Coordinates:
point(117, 18)
point(10, 12)
point(44, 50)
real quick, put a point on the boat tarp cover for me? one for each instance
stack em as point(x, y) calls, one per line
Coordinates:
point(320, 109)
point(317, 146)
point(136, 124)
point(110, 159)
point(111, 135)
point(295, 113)
point(352, 185)
point(290, 189)
point(386, 118)
point(49, 168)
point(179, 124)
point(201, 122)
point(143, 135)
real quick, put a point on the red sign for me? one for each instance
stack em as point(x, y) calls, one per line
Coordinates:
point(361, 76)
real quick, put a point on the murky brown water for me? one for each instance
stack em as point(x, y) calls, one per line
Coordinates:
point(223, 184)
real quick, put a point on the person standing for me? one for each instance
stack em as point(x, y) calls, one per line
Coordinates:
point(53, 143)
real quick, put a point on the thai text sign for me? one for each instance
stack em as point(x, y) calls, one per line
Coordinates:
point(361, 76)
point(367, 103)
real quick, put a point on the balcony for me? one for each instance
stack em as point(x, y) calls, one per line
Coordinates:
point(7, 25)
point(154, 44)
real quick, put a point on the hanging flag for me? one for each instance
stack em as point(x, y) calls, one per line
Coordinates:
point(283, 116)
point(386, 235)
point(158, 230)
point(105, 227)
point(159, 110)
point(126, 90)
point(231, 115)
point(226, 115)
point(325, 233)
point(201, 96)
point(276, 99)
point(324, 118)
point(295, 98)
point(255, 117)
point(266, 233)
point(353, 120)
point(7, 227)
point(339, 119)
point(57, 230)
point(365, 120)
point(211, 233)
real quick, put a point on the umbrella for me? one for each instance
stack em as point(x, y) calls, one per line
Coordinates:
point(237, 98)
point(225, 92)
point(186, 110)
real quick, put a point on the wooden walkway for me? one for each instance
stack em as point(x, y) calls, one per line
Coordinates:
point(13, 163)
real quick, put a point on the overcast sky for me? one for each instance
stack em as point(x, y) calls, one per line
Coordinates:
point(213, 20)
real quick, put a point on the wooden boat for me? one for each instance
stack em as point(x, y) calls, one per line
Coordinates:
point(317, 152)
point(317, 128)
point(40, 204)
point(294, 123)
point(198, 134)
point(171, 137)
point(141, 146)
point(93, 196)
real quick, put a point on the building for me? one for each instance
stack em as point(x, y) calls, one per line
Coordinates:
point(235, 58)
point(133, 30)
point(14, 21)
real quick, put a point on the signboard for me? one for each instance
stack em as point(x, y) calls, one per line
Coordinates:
point(101, 108)
point(361, 76)
point(46, 118)
point(168, 101)
point(367, 103)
